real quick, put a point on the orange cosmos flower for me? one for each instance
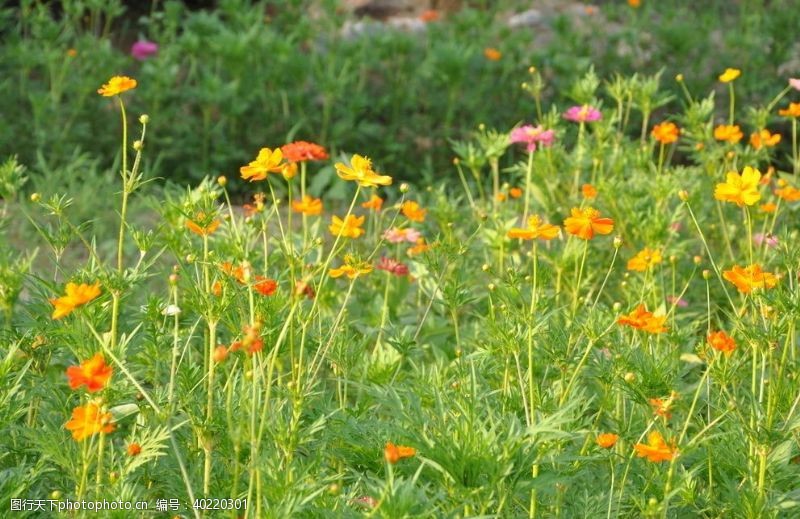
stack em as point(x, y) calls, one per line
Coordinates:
point(750, 278)
point(76, 295)
point(72, 53)
point(589, 192)
point(360, 171)
point(645, 259)
point(267, 161)
point(350, 227)
point(134, 449)
point(740, 189)
point(301, 151)
point(308, 206)
point(607, 440)
point(89, 420)
point(265, 286)
point(413, 211)
point(220, 354)
point(251, 341)
point(656, 449)
point(769, 207)
point(634, 3)
point(788, 193)
point(666, 133)
point(420, 248)
point(515, 192)
point(535, 229)
point(500, 197)
point(661, 407)
point(721, 341)
point(117, 85)
point(764, 138)
point(375, 203)
point(729, 75)
point(93, 373)
point(792, 111)
point(584, 223)
point(430, 15)
point(201, 226)
point(394, 453)
point(351, 268)
point(289, 170)
point(492, 54)
point(641, 319)
point(728, 133)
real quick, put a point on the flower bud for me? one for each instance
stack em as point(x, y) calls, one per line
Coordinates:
point(485, 267)
point(56, 495)
point(617, 306)
point(35, 197)
point(697, 260)
point(138, 145)
point(679, 78)
point(190, 258)
point(617, 242)
point(630, 377)
point(706, 274)
point(173, 279)
point(404, 188)
point(683, 195)
point(144, 118)
point(491, 287)
point(673, 259)
point(222, 180)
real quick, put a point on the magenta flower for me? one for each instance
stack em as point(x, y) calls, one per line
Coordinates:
point(583, 114)
point(531, 136)
point(397, 235)
point(143, 49)
point(794, 83)
point(760, 239)
point(392, 266)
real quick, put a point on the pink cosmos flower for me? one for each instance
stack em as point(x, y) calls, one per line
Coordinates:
point(794, 83)
point(678, 301)
point(396, 235)
point(583, 114)
point(392, 266)
point(760, 238)
point(143, 49)
point(676, 226)
point(531, 136)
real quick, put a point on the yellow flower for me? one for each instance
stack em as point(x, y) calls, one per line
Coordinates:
point(307, 205)
point(375, 203)
point(788, 193)
point(764, 138)
point(89, 420)
point(267, 161)
point(413, 211)
point(792, 111)
point(535, 229)
point(351, 268)
point(730, 74)
point(201, 226)
point(656, 449)
point(645, 259)
point(76, 295)
point(350, 227)
point(117, 85)
point(666, 132)
point(607, 440)
point(750, 278)
point(740, 189)
point(360, 171)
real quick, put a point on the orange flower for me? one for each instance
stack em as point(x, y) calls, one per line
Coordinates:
point(350, 227)
point(641, 319)
point(360, 171)
point(431, 15)
point(93, 373)
point(117, 85)
point(750, 278)
point(607, 440)
point(662, 407)
point(792, 111)
point(72, 53)
point(394, 453)
point(76, 295)
point(265, 286)
point(634, 3)
point(788, 193)
point(656, 449)
point(375, 203)
point(289, 170)
point(728, 133)
point(500, 197)
point(492, 54)
point(584, 223)
point(764, 138)
point(220, 354)
point(666, 133)
point(301, 151)
point(351, 268)
point(413, 211)
point(420, 248)
point(721, 341)
point(645, 259)
point(740, 189)
point(588, 191)
point(267, 161)
point(308, 206)
point(515, 192)
point(251, 341)
point(201, 226)
point(769, 207)
point(134, 449)
point(89, 420)
point(729, 75)
point(535, 229)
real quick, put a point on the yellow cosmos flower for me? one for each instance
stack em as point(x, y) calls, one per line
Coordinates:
point(117, 85)
point(764, 138)
point(729, 75)
point(792, 111)
point(750, 278)
point(740, 189)
point(645, 259)
point(267, 161)
point(350, 227)
point(360, 171)
point(728, 133)
point(307, 205)
point(413, 211)
point(536, 229)
point(76, 295)
point(351, 268)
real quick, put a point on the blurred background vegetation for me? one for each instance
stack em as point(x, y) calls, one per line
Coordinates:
point(232, 76)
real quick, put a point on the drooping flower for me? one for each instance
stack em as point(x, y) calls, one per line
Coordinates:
point(656, 448)
point(117, 85)
point(740, 189)
point(301, 151)
point(666, 132)
point(392, 266)
point(308, 206)
point(88, 420)
point(413, 211)
point(730, 133)
point(394, 453)
point(352, 268)
point(645, 259)
point(396, 235)
point(76, 295)
point(201, 224)
point(721, 341)
point(361, 172)
point(747, 279)
point(93, 373)
point(532, 136)
point(641, 319)
point(583, 114)
point(492, 54)
point(350, 227)
point(143, 49)
point(792, 111)
point(536, 229)
point(607, 440)
point(584, 223)
point(729, 75)
point(267, 161)
point(375, 203)
point(788, 193)
point(764, 138)
point(589, 192)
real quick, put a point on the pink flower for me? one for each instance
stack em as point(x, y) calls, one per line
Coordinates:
point(366, 501)
point(392, 266)
point(532, 135)
point(794, 83)
point(396, 235)
point(760, 238)
point(143, 49)
point(678, 301)
point(676, 226)
point(583, 114)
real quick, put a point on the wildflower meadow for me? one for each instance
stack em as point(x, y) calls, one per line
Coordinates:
point(590, 311)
